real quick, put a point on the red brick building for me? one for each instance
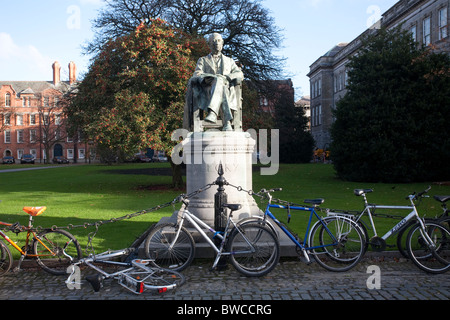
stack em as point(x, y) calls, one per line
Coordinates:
point(32, 119)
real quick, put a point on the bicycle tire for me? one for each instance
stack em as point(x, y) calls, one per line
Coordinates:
point(159, 247)
point(66, 250)
point(337, 243)
point(6, 259)
point(267, 249)
point(157, 280)
point(432, 260)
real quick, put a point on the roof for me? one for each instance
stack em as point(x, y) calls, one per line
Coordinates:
point(335, 49)
point(33, 87)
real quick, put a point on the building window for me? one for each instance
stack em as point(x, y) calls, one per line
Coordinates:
point(320, 115)
point(19, 153)
point(7, 136)
point(33, 153)
point(32, 136)
point(8, 100)
point(443, 33)
point(69, 153)
point(19, 136)
point(81, 153)
point(427, 31)
point(32, 119)
point(7, 119)
point(413, 31)
point(57, 134)
point(319, 84)
point(19, 120)
point(46, 101)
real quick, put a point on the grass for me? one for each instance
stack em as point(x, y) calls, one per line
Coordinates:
point(89, 193)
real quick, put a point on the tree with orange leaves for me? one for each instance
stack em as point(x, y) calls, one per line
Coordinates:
point(132, 97)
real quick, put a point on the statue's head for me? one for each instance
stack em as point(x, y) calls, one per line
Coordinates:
point(215, 42)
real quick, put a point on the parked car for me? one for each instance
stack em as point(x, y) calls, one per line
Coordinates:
point(27, 158)
point(8, 160)
point(142, 158)
point(60, 160)
point(160, 156)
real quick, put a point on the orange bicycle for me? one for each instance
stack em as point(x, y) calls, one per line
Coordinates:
point(53, 249)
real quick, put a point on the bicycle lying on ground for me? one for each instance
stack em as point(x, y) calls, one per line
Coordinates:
point(53, 250)
point(136, 275)
point(253, 249)
point(422, 241)
point(336, 243)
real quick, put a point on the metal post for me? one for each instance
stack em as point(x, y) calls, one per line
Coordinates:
point(220, 218)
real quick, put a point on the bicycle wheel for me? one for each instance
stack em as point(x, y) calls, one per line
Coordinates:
point(170, 247)
point(255, 249)
point(155, 279)
point(56, 250)
point(401, 238)
point(431, 257)
point(337, 243)
point(6, 258)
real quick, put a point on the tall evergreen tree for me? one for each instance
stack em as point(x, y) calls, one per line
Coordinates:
point(392, 125)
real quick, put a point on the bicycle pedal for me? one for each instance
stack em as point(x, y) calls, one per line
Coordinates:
point(96, 281)
point(306, 261)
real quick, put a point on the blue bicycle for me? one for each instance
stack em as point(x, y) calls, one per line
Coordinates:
point(336, 243)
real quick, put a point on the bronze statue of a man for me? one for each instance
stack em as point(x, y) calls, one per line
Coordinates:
point(215, 74)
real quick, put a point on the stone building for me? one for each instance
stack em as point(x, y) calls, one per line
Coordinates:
point(428, 22)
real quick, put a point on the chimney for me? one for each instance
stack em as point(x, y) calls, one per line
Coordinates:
point(72, 72)
point(56, 72)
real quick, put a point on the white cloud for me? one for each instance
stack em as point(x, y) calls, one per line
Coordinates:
point(19, 62)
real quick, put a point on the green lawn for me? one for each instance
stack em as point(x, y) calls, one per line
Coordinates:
point(89, 193)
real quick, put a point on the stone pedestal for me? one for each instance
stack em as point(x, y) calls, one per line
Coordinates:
point(203, 152)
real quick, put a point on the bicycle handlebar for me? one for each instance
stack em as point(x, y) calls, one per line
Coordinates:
point(415, 196)
point(270, 190)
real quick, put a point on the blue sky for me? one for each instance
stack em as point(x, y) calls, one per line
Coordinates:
point(34, 34)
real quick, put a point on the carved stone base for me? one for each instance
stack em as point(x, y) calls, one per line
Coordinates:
point(203, 152)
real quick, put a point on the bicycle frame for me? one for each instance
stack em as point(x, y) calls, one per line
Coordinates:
point(199, 225)
point(123, 276)
point(413, 214)
point(312, 211)
point(24, 253)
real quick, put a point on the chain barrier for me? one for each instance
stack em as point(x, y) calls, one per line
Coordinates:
point(17, 228)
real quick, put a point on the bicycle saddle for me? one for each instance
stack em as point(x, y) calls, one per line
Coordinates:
point(96, 281)
point(442, 198)
point(232, 207)
point(34, 211)
point(360, 192)
point(314, 201)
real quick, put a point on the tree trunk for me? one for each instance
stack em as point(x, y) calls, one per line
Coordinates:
point(177, 177)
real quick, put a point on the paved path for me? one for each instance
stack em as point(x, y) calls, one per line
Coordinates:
point(291, 280)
